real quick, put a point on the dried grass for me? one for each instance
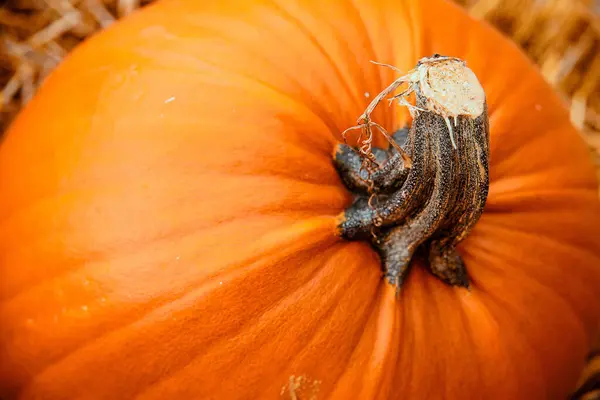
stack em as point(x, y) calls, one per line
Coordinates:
point(37, 34)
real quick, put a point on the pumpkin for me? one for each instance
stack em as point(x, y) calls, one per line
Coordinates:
point(169, 204)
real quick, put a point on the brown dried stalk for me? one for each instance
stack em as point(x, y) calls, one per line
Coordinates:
point(432, 201)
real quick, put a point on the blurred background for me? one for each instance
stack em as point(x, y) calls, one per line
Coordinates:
point(561, 36)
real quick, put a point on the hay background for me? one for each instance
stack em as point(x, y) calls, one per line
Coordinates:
point(561, 36)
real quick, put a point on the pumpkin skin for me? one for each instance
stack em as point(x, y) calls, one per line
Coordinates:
point(168, 211)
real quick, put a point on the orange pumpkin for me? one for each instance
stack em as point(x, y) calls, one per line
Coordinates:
point(168, 206)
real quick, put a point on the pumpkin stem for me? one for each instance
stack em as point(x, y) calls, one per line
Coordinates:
point(428, 192)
